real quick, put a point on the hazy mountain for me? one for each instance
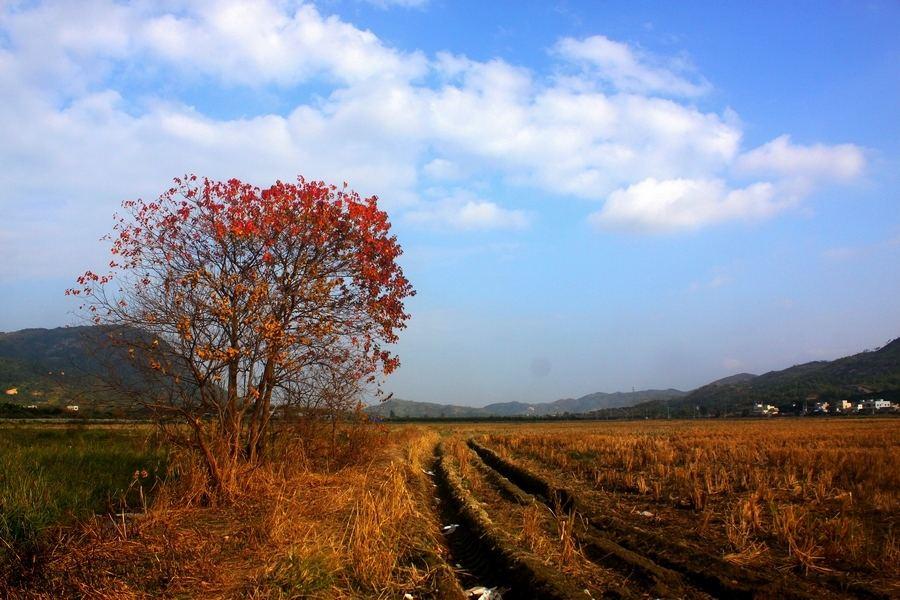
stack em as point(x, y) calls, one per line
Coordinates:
point(598, 400)
point(405, 409)
point(55, 367)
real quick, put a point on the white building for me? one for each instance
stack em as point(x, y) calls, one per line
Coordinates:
point(873, 404)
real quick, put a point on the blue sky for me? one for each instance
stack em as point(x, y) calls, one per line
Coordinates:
point(591, 196)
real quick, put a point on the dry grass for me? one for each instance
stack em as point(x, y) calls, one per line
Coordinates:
point(812, 496)
point(361, 530)
point(815, 495)
point(550, 535)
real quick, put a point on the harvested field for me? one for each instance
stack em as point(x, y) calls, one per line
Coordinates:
point(789, 508)
point(692, 509)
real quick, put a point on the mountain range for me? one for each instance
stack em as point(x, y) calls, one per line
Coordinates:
point(862, 375)
point(868, 373)
point(52, 368)
point(397, 408)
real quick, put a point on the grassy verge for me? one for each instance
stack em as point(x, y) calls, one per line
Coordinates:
point(55, 475)
point(299, 527)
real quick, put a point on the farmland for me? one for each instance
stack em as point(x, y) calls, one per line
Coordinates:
point(803, 508)
point(693, 509)
point(52, 475)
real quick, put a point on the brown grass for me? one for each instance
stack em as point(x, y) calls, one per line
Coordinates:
point(362, 529)
point(548, 534)
point(814, 495)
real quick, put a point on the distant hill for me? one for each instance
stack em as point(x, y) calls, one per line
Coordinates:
point(407, 409)
point(875, 372)
point(732, 379)
point(52, 368)
point(600, 400)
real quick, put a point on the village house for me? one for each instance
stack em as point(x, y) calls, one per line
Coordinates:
point(766, 410)
point(873, 404)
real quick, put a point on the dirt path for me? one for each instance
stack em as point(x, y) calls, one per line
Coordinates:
point(487, 555)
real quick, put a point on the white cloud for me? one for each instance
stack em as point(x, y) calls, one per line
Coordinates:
point(442, 169)
point(92, 114)
point(260, 41)
point(684, 204)
point(465, 212)
point(570, 141)
point(816, 162)
point(629, 70)
point(251, 42)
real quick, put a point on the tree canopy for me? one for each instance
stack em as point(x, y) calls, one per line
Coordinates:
point(254, 299)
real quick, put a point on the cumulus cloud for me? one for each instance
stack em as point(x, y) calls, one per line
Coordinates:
point(251, 42)
point(815, 162)
point(684, 204)
point(465, 212)
point(259, 41)
point(628, 70)
point(95, 110)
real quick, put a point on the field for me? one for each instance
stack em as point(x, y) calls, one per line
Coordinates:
point(56, 475)
point(798, 508)
point(794, 508)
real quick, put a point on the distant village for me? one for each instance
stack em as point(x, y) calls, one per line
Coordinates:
point(814, 406)
point(14, 391)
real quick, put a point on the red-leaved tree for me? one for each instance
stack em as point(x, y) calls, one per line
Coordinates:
point(238, 301)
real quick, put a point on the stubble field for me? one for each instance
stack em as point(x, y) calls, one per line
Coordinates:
point(790, 508)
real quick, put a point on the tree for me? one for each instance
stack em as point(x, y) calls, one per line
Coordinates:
point(247, 300)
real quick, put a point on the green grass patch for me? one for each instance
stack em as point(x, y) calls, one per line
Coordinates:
point(52, 475)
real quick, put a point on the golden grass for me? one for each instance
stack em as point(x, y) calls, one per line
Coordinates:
point(549, 534)
point(818, 495)
point(364, 530)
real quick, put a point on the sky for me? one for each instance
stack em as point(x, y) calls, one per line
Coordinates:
point(591, 196)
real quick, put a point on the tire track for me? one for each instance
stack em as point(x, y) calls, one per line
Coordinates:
point(654, 555)
point(490, 554)
point(642, 572)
